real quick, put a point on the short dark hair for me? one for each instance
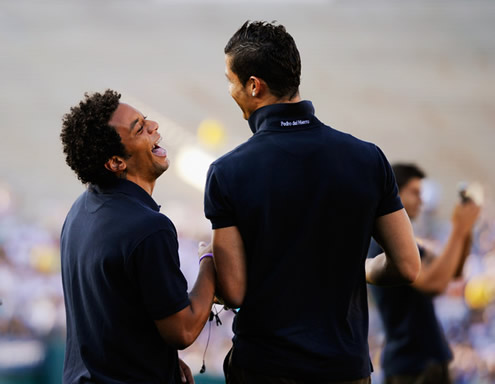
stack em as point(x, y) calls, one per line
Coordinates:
point(267, 51)
point(89, 141)
point(404, 172)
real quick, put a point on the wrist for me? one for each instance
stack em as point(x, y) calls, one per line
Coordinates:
point(460, 231)
point(206, 256)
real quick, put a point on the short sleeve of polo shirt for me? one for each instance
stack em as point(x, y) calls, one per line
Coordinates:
point(390, 200)
point(162, 285)
point(217, 202)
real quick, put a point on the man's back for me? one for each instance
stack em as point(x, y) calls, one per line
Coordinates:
point(304, 197)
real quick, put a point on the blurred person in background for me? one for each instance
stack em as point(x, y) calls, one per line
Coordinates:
point(128, 310)
point(293, 210)
point(416, 350)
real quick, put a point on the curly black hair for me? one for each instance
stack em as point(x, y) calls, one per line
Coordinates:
point(267, 51)
point(89, 141)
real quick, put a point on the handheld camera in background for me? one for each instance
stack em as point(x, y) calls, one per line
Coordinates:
point(471, 191)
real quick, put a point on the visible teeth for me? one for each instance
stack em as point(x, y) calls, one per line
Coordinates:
point(156, 143)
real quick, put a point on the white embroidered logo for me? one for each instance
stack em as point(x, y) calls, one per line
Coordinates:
point(293, 123)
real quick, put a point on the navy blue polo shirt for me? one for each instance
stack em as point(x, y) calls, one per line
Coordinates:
point(305, 198)
point(413, 336)
point(120, 271)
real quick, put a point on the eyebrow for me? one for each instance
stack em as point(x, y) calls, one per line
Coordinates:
point(133, 124)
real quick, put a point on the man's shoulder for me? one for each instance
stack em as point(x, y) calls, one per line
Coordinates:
point(129, 211)
point(349, 139)
point(140, 214)
point(231, 158)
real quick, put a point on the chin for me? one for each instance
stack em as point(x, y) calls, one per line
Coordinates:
point(245, 114)
point(414, 215)
point(160, 170)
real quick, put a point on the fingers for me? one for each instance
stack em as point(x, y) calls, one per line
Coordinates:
point(189, 376)
point(185, 373)
point(465, 215)
point(182, 376)
point(204, 247)
point(218, 300)
point(471, 211)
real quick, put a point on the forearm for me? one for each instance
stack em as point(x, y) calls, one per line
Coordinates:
point(380, 271)
point(466, 250)
point(229, 289)
point(435, 276)
point(230, 264)
point(182, 328)
point(201, 297)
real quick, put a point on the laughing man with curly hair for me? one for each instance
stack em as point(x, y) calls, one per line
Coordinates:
point(128, 310)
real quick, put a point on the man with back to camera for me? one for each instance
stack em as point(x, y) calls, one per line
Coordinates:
point(293, 210)
point(416, 351)
point(128, 310)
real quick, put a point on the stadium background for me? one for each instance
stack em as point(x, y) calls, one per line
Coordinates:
point(417, 78)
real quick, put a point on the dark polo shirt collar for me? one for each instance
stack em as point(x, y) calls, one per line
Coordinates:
point(124, 187)
point(283, 117)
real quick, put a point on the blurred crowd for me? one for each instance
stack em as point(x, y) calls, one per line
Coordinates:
point(32, 310)
point(467, 309)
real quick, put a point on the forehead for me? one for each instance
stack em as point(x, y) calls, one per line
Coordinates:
point(124, 115)
point(413, 184)
point(228, 61)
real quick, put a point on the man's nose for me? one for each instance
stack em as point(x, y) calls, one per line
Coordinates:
point(152, 126)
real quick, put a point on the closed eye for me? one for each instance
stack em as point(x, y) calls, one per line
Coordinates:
point(142, 125)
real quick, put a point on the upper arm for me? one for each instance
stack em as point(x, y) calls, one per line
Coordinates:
point(155, 267)
point(424, 282)
point(230, 264)
point(228, 247)
point(394, 233)
point(161, 285)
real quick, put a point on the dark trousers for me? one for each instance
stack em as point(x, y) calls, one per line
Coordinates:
point(238, 375)
point(433, 374)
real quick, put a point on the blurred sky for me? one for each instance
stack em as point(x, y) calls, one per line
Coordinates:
point(415, 77)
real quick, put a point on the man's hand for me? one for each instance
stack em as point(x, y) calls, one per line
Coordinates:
point(204, 248)
point(435, 277)
point(464, 216)
point(185, 373)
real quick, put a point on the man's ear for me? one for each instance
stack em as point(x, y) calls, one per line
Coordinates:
point(257, 86)
point(116, 164)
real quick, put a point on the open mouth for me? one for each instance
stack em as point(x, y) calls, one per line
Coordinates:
point(157, 150)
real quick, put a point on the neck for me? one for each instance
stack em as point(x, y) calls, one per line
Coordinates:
point(148, 186)
point(272, 99)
